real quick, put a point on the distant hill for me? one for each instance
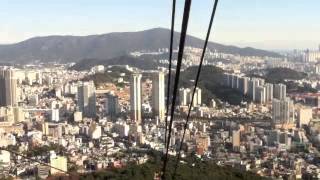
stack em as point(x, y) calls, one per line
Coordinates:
point(105, 46)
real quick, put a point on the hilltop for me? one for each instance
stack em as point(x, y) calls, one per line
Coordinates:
point(106, 46)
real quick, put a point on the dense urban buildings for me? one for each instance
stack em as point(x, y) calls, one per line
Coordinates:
point(94, 120)
point(80, 103)
point(110, 116)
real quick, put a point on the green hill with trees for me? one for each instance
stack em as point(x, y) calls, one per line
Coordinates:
point(210, 82)
point(111, 75)
point(193, 168)
point(278, 75)
point(285, 76)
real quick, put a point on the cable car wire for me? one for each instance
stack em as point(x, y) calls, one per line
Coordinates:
point(34, 160)
point(183, 34)
point(196, 82)
point(170, 66)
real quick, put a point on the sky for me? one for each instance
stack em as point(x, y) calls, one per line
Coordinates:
point(267, 24)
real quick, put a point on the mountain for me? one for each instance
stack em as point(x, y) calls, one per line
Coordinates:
point(105, 46)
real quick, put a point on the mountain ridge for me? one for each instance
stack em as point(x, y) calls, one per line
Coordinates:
point(69, 48)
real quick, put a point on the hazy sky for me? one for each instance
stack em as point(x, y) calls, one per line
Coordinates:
point(269, 24)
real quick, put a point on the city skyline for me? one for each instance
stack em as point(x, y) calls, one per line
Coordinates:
point(122, 105)
point(98, 112)
point(247, 24)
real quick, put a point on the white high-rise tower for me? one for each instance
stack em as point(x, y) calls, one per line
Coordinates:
point(280, 91)
point(158, 94)
point(282, 112)
point(87, 99)
point(135, 97)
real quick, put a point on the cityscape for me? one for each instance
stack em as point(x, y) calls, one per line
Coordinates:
point(98, 107)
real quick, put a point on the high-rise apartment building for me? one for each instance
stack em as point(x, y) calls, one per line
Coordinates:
point(197, 97)
point(87, 99)
point(269, 92)
point(304, 116)
point(135, 97)
point(55, 114)
point(234, 81)
point(311, 56)
point(282, 112)
point(260, 94)
point(280, 91)
point(253, 84)
point(185, 96)
point(8, 87)
point(158, 94)
point(236, 140)
point(112, 105)
point(243, 84)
